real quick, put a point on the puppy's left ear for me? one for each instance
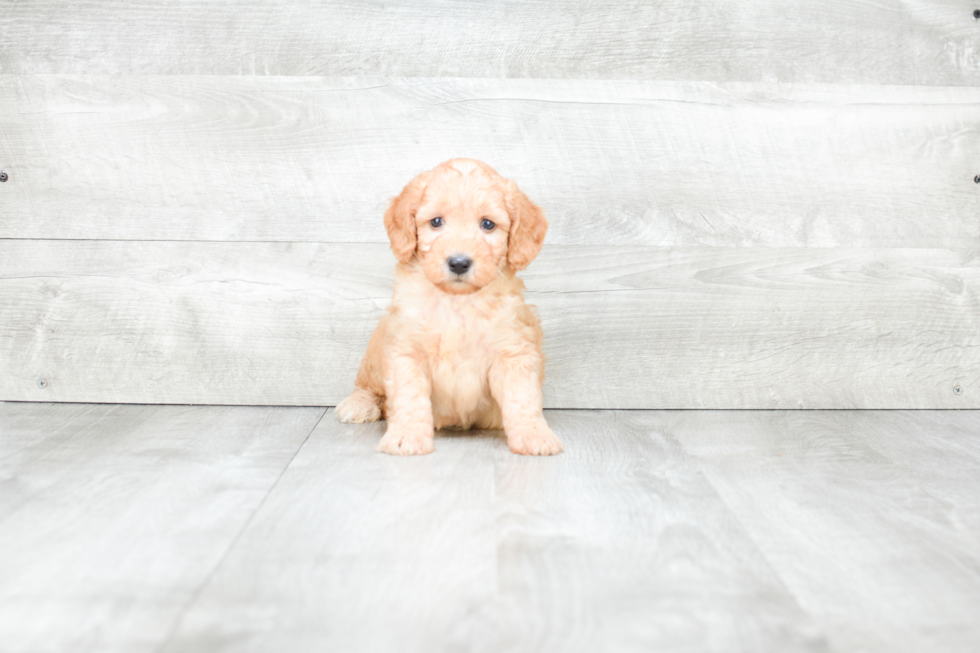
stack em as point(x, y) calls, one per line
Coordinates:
point(400, 219)
point(527, 228)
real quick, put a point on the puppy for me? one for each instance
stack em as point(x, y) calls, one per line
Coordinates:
point(458, 347)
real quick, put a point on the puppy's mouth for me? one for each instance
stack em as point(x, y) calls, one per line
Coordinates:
point(459, 281)
point(455, 285)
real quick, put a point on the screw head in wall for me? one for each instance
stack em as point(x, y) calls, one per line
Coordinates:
point(976, 179)
point(957, 389)
point(976, 14)
point(3, 176)
point(41, 383)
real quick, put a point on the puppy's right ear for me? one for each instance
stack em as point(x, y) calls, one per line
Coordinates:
point(400, 219)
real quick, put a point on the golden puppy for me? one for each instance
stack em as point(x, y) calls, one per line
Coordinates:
point(458, 346)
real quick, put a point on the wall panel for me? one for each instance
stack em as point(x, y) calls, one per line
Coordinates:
point(888, 42)
point(652, 163)
point(698, 327)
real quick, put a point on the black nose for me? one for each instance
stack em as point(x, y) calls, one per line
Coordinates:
point(459, 264)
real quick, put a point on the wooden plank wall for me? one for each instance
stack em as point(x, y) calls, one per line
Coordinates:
point(752, 206)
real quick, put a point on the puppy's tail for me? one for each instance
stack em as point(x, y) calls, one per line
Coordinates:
point(362, 406)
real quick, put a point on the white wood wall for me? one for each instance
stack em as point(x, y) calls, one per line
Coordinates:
point(753, 205)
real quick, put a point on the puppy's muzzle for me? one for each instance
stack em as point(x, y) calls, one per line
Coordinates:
point(459, 265)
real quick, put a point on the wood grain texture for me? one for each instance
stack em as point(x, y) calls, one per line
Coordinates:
point(112, 517)
point(612, 162)
point(360, 552)
point(122, 529)
point(617, 545)
point(893, 41)
point(287, 324)
point(872, 520)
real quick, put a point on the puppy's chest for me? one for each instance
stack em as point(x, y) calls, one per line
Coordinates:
point(461, 332)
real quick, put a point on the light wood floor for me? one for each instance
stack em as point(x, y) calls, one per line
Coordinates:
point(179, 528)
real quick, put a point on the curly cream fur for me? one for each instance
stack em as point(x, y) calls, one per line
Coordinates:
point(456, 350)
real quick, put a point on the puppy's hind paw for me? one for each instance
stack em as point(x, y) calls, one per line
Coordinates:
point(362, 406)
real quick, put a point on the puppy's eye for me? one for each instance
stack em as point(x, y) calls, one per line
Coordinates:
point(487, 225)
point(435, 223)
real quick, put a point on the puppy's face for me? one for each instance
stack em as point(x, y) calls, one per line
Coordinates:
point(462, 226)
point(465, 224)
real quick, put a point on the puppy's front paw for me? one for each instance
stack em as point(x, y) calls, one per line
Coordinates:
point(360, 407)
point(534, 440)
point(401, 441)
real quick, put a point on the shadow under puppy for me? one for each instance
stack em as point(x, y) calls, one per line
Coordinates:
point(458, 347)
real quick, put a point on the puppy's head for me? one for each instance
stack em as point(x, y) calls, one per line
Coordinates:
point(466, 224)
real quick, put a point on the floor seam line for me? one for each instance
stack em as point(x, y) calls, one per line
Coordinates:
point(821, 627)
point(234, 542)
